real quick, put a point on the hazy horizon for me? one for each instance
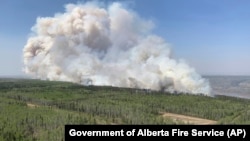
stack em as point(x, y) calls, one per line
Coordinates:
point(23, 75)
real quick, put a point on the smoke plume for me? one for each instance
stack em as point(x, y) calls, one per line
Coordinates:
point(94, 45)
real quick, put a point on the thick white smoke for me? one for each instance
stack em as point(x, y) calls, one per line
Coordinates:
point(92, 45)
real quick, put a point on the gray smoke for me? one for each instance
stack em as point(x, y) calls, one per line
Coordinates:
point(94, 45)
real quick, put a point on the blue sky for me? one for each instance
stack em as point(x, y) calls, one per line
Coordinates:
point(213, 36)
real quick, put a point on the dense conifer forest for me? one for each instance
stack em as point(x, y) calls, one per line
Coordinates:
point(33, 110)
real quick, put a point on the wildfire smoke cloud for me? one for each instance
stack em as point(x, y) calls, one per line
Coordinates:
point(91, 44)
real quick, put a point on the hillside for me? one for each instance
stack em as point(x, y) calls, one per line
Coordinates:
point(38, 110)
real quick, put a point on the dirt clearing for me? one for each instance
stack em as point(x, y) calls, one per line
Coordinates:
point(188, 119)
point(32, 105)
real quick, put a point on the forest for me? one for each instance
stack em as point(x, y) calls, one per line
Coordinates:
point(37, 110)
